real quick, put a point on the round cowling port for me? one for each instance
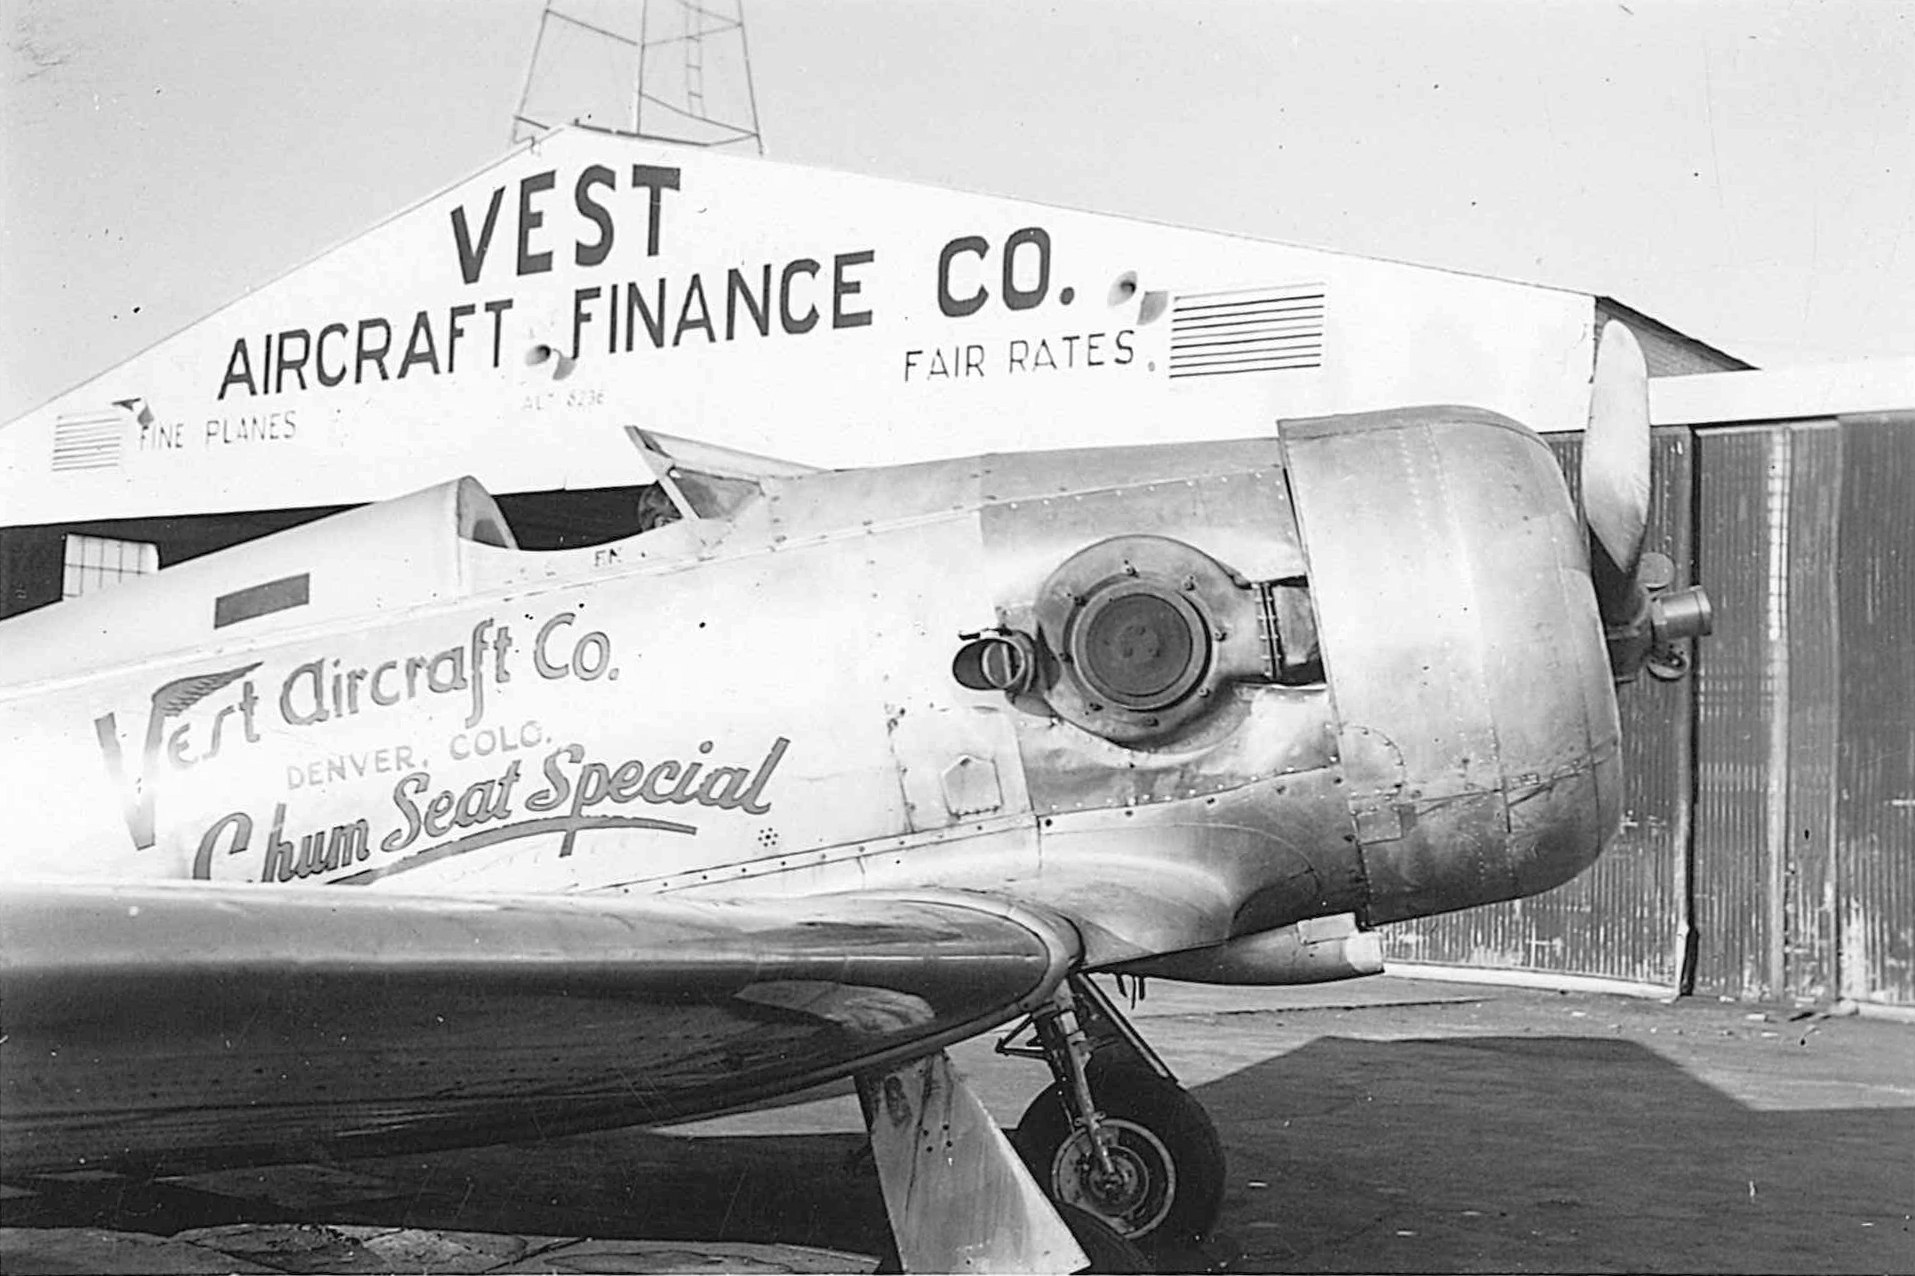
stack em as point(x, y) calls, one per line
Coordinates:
point(1139, 645)
point(1138, 634)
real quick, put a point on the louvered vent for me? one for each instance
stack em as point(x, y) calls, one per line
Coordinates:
point(88, 441)
point(1250, 330)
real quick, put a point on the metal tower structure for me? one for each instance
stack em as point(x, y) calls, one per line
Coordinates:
point(671, 70)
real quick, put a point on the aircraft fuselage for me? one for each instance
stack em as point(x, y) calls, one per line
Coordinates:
point(1356, 669)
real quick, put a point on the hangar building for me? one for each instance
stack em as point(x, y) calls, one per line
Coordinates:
point(510, 326)
point(513, 325)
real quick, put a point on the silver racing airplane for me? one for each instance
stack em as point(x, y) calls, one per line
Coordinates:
point(383, 834)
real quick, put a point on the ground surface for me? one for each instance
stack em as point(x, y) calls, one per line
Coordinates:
point(1384, 1125)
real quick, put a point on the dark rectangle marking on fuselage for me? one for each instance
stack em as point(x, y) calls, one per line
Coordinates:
point(262, 600)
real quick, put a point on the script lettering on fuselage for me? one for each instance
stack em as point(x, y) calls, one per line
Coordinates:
point(388, 761)
point(193, 720)
point(574, 793)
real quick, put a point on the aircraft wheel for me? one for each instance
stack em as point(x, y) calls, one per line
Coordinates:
point(1167, 1185)
point(1105, 1246)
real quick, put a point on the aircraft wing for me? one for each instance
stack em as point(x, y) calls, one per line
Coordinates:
point(169, 1028)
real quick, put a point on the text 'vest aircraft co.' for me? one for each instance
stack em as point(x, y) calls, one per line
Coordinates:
point(827, 773)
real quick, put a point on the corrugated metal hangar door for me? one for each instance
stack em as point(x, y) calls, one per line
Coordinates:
point(1805, 819)
point(1873, 915)
point(1768, 840)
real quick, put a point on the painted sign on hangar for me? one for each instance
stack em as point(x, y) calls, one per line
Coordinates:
point(508, 327)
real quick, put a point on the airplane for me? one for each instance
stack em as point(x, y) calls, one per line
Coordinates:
point(826, 773)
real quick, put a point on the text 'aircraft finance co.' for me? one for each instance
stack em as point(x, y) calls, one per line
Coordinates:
point(381, 834)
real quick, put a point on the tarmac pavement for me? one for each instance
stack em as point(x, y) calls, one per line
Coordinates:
point(1379, 1125)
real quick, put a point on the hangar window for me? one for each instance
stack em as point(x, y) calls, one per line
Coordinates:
point(95, 562)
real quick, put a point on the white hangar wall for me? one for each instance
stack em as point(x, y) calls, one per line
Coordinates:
point(825, 317)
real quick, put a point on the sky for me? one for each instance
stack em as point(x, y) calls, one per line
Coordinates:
point(1744, 171)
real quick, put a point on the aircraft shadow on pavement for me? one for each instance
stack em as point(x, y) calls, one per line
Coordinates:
point(1540, 1153)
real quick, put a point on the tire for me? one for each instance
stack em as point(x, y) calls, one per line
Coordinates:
point(1103, 1245)
point(1170, 1160)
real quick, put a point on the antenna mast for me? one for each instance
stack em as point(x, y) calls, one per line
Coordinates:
point(669, 70)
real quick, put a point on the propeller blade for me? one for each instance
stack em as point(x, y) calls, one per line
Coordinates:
point(1615, 471)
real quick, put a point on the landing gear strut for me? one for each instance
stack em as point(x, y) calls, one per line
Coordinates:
point(1115, 1135)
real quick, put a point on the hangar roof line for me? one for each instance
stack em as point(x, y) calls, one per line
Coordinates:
point(1807, 393)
